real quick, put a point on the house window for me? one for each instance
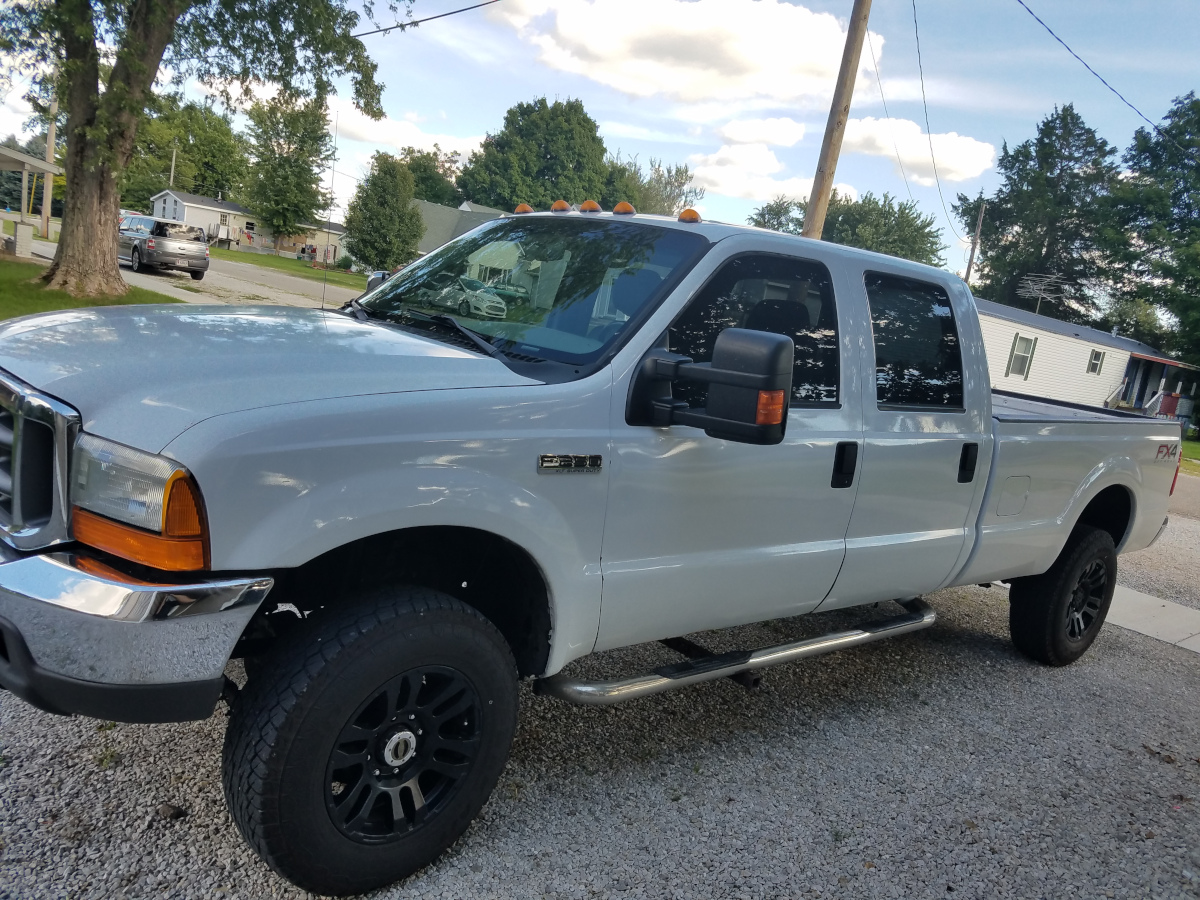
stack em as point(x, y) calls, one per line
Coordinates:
point(224, 218)
point(1096, 363)
point(174, 209)
point(1020, 357)
point(249, 228)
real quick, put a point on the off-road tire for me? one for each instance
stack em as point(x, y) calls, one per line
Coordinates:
point(135, 260)
point(197, 276)
point(286, 725)
point(1054, 617)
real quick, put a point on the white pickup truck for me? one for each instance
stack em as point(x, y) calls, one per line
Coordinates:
point(394, 511)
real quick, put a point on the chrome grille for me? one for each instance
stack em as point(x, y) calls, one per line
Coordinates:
point(36, 433)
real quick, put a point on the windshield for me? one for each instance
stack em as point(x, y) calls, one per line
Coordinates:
point(558, 289)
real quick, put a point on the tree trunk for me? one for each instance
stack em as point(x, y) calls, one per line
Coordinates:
point(100, 134)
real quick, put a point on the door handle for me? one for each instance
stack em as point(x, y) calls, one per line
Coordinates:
point(966, 463)
point(845, 459)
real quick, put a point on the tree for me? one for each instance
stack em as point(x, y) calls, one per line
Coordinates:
point(544, 152)
point(870, 223)
point(662, 190)
point(223, 44)
point(1160, 202)
point(433, 174)
point(382, 225)
point(290, 146)
point(1052, 215)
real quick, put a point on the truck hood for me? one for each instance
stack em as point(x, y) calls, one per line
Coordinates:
point(142, 375)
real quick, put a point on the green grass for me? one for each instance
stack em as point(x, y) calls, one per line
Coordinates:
point(10, 229)
point(292, 266)
point(1191, 449)
point(20, 295)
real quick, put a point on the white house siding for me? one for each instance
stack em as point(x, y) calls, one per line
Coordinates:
point(1059, 369)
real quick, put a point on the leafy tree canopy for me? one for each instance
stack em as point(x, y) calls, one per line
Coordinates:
point(1052, 215)
point(1160, 202)
point(873, 223)
point(211, 159)
point(102, 57)
point(545, 152)
point(664, 190)
point(433, 174)
point(382, 225)
point(290, 146)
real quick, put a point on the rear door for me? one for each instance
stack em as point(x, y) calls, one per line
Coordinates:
point(927, 443)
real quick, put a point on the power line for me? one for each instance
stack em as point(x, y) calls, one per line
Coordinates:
point(1120, 96)
point(403, 25)
point(891, 130)
point(928, 130)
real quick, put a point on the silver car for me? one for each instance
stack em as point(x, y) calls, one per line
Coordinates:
point(466, 296)
point(146, 242)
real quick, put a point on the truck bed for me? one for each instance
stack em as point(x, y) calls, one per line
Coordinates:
point(1008, 406)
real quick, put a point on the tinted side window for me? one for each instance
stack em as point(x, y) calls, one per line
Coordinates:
point(767, 293)
point(918, 361)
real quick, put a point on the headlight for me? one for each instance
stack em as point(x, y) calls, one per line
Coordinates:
point(137, 505)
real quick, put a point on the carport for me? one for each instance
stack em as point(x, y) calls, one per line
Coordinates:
point(15, 161)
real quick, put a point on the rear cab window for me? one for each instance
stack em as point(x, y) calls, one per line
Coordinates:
point(918, 356)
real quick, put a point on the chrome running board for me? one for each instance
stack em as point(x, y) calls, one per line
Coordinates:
point(605, 693)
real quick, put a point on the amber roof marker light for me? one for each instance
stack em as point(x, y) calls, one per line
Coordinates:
point(590, 206)
point(523, 208)
point(690, 216)
point(560, 206)
point(624, 208)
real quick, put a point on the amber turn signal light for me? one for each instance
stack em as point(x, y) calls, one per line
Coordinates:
point(770, 408)
point(523, 208)
point(560, 206)
point(624, 208)
point(690, 216)
point(590, 206)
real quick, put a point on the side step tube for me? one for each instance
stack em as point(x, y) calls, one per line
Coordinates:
point(605, 693)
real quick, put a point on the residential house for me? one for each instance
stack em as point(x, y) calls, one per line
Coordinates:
point(444, 223)
point(222, 220)
point(1044, 357)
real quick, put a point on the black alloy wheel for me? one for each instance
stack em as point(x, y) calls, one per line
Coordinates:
point(1054, 617)
point(403, 754)
point(1086, 600)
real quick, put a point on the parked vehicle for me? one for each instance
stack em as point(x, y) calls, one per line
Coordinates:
point(146, 242)
point(391, 516)
point(466, 296)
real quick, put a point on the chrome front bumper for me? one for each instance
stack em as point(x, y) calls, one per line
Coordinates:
point(81, 639)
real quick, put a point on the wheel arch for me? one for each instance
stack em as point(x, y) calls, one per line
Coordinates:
point(1111, 510)
point(489, 573)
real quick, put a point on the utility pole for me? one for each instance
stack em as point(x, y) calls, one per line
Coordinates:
point(171, 183)
point(835, 128)
point(975, 242)
point(48, 186)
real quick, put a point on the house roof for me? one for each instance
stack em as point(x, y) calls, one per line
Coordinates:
point(1071, 330)
point(331, 227)
point(207, 202)
point(16, 161)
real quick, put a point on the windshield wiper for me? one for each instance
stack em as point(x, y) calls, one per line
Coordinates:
point(360, 312)
point(450, 322)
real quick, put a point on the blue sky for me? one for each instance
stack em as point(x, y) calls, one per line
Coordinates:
point(740, 89)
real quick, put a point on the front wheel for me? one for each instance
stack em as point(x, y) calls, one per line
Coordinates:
point(135, 261)
point(1054, 617)
point(464, 308)
point(370, 743)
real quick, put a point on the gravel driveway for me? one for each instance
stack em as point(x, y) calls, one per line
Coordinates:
point(1170, 569)
point(938, 764)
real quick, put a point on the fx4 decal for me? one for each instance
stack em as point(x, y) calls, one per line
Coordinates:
point(1167, 451)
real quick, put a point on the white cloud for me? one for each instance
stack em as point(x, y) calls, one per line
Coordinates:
point(958, 157)
point(14, 112)
point(613, 129)
point(392, 135)
point(746, 170)
point(781, 132)
point(736, 50)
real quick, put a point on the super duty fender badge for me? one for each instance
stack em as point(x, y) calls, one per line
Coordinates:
point(570, 463)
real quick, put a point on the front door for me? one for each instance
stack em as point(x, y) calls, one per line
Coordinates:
point(703, 533)
point(926, 443)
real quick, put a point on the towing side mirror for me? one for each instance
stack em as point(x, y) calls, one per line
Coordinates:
point(376, 279)
point(750, 383)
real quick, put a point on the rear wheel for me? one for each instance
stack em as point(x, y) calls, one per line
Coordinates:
point(197, 276)
point(364, 748)
point(135, 261)
point(1054, 617)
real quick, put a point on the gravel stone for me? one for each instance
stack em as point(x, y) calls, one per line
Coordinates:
point(936, 764)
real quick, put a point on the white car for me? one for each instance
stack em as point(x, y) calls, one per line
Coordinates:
point(468, 297)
